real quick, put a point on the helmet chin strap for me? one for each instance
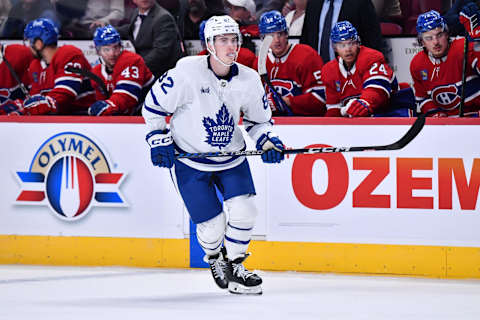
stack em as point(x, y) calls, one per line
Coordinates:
point(214, 54)
point(38, 53)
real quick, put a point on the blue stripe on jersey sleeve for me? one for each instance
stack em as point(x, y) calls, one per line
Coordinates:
point(154, 98)
point(250, 124)
point(471, 87)
point(378, 82)
point(134, 90)
point(165, 114)
point(74, 85)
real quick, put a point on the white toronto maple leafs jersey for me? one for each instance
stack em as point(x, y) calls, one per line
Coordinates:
point(206, 110)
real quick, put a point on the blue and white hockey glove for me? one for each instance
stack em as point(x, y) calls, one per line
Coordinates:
point(162, 151)
point(102, 108)
point(469, 17)
point(38, 104)
point(273, 148)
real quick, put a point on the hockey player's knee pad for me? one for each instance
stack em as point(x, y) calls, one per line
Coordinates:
point(210, 233)
point(242, 211)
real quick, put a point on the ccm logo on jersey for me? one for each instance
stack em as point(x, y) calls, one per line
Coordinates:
point(446, 96)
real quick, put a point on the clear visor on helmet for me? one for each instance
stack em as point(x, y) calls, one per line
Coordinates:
point(110, 48)
point(345, 44)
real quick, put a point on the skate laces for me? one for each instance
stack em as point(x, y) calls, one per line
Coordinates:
point(240, 271)
point(218, 266)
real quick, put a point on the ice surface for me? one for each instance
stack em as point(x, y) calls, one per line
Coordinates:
point(86, 293)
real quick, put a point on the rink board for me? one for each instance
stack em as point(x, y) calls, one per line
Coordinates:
point(412, 211)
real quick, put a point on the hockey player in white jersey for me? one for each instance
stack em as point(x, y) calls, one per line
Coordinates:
point(206, 95)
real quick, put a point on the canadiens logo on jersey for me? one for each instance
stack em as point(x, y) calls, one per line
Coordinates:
point(70, 174)
point(446, 96)
point(220, 132)
point(285, 87)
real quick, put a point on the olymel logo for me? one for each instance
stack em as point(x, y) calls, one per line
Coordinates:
point(70, 174)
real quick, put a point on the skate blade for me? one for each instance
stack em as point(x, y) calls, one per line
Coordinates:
point(237, 288)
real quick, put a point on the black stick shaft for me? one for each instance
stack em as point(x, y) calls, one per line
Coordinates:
point(399, 144)
point(15, 76)
point(464, 76)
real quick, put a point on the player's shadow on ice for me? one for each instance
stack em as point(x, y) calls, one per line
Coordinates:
point(200, 298)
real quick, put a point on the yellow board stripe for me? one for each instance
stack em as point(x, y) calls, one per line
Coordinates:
point(94, 251)
point(426, 261)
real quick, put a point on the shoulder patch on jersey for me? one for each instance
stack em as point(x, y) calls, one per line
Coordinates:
point(424, 74)
point(338, 86)
point(220, 132)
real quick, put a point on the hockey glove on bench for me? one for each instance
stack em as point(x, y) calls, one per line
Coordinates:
point(103, 108)
point(38, 104)
point(469, 18)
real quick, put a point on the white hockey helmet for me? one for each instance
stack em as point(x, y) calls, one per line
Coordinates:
point(218, 25)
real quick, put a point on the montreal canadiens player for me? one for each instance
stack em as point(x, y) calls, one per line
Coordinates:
point(124, 73)
point(293, 69)
point(437, 70)
point(359, 82)
point(54, 90)
point(19, 57)
point(205, 95)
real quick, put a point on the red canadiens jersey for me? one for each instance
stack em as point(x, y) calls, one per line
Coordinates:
point(438, 82)
point(127, 82)
point(297, 75)
point(72, 92)
point(19, 57)
point(370, 79)
point(245, 57)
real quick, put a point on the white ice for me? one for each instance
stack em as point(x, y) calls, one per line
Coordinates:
point(90, 293)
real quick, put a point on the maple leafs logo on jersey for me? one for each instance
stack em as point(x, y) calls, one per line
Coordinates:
point(219, 133)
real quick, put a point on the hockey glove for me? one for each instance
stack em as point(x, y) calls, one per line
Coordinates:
point(469, 18)
point(273, 148)
point(278, 105)
point(162, 151)
point(103, 108)
point(356, 108)
point(12, 107)
point(38, 104)
point(271, 102)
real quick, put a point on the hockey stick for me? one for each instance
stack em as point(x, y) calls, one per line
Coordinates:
point(90, 75)
point(262, 71)
point(15, 75)
point(464, 76)
point(402, 142)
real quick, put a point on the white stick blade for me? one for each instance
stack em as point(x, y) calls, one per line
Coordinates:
point(262, 54)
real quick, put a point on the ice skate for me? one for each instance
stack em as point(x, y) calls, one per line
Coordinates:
point(240, 280)
point(218, 267)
